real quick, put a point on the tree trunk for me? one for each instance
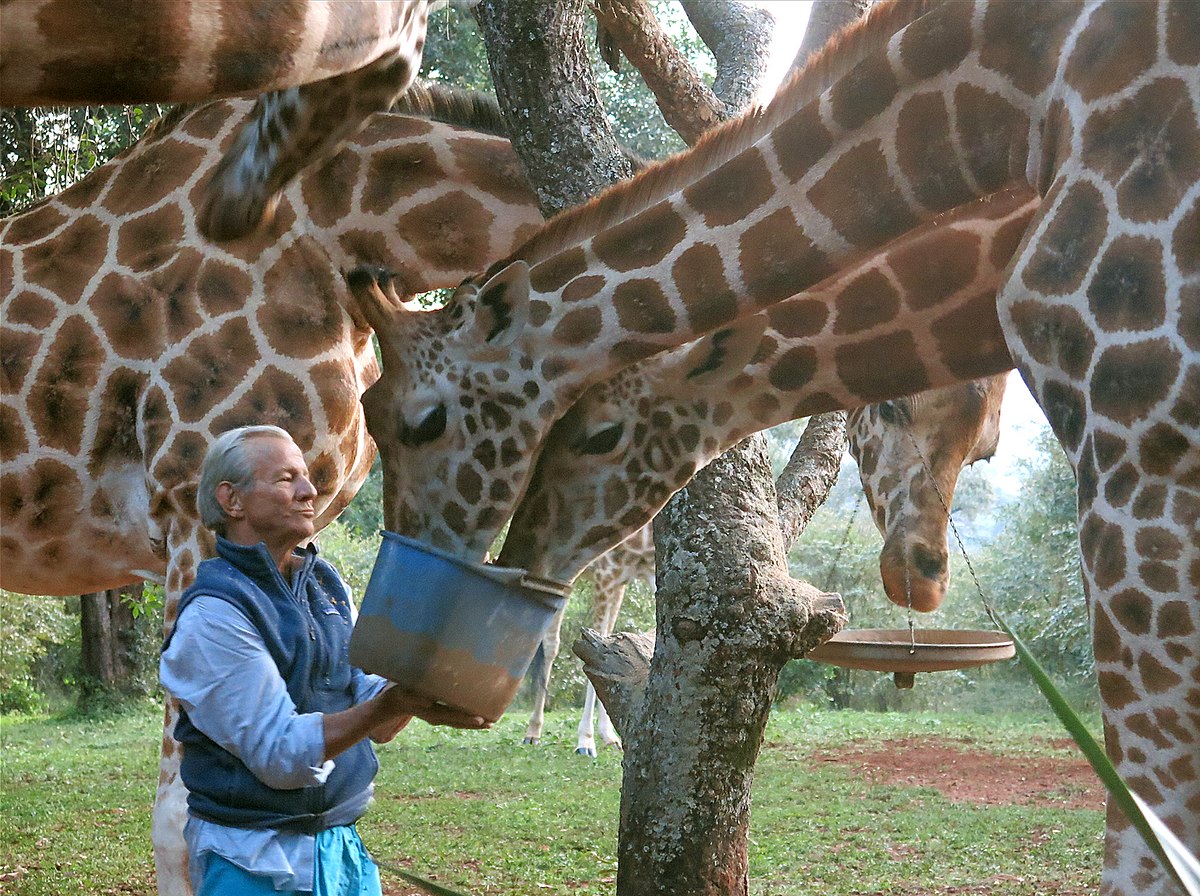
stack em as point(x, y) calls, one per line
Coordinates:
point(739, 36)
point(113, 644)
point(547, 92)
point(827, 18)
point(729, 616)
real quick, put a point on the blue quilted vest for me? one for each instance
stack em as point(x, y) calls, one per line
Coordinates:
point(307, 633)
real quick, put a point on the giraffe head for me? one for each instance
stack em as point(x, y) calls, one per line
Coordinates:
point(910, 452)
point(449, 375)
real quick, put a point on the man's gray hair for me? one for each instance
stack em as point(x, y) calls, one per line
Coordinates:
point(228, 461)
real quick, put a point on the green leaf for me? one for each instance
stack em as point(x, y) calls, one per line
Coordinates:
point(1174, 856)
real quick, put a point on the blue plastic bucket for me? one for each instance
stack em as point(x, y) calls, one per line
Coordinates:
point(459, 632)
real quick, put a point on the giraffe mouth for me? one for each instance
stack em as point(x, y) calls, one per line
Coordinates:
point(914, 579)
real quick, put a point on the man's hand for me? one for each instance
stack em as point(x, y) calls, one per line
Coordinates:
point(401, 702)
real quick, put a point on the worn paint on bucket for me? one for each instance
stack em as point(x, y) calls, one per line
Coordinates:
point(459, 632)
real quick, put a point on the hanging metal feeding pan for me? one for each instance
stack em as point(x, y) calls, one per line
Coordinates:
point(905, 652)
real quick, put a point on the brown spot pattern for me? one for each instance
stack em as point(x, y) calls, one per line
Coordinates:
point(869, 300)
point(450, 232)
point(798, 318)
point(699, 276)
point(147, 178)
point(303, 317)
point(932, 271)
point(1118, 44)
point(400, 171)
point(275, 397)
point(17, 351)
point(1015, 34)
point(800, 142)
point(643, 308)
point(923, 146)
point(1129, 380)
point(494, 166)
point(65, 265)
point(1183, 32)
point(938, 42)
point(1148, 147)
point(59, 398)
point(146, 242)
point(557, 271)
point(641, 241)
point(858, 196)
point(116, 430)
point(130, 315)
point(732, 191)
point(42, 501)
point(994, 136)
point(1128, 291)
point(214, 365)
point(1069, 244)
point(579, 327)
point(778, 260)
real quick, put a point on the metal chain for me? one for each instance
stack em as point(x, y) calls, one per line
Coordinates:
point(837, 557)
point(987, 607)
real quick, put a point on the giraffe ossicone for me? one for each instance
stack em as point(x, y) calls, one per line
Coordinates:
point(322, 67)
point(1089, 110)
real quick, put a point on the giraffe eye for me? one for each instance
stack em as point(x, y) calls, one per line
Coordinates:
point(601, 442)
point(432, 425)
point(895, 413)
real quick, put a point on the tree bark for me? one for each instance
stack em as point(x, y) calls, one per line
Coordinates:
point(739, 36)
point(729, 616)
point(826, 19)
point(687, 104)
point(810, 473)
point(547, 92)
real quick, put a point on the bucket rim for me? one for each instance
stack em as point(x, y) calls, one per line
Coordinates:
point(550, 590)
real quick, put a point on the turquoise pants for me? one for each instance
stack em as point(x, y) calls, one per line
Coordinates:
point(341, 867)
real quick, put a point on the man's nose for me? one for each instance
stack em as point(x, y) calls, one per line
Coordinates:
point(305, 490)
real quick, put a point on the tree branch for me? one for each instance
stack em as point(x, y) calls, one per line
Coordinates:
point(739, 37)
point(810, 473)
point(688, 106)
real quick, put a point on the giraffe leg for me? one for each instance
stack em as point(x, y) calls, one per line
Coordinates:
point(170, 799)
point(540, 674)
point(605, 609)
point(1135, 453)
point(170, 814)
point(585, 740)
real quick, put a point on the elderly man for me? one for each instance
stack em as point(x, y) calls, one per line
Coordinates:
point(274, 720)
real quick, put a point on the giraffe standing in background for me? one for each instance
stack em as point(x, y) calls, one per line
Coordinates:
point(909, 453)
point(129, 342)
point(1089, 109)
point(611, 574)
point(323, 67)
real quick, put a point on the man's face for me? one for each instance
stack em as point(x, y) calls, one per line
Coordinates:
point(277, 507)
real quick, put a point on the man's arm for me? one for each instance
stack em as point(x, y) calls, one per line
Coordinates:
point(219, 668)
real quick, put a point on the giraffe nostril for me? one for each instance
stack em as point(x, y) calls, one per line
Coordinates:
point(928, 564)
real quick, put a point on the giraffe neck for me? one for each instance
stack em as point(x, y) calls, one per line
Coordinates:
point(773, 204)
point(176, 51)
point(813, 353)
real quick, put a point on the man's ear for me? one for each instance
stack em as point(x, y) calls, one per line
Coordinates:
point(230, 500)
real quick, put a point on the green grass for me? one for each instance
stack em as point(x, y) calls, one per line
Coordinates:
point(482, 813)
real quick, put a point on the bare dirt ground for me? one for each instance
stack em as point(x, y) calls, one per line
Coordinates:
point(964, 774)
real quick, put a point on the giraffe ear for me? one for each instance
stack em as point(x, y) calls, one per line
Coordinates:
point(502, 308)
point(720, 356)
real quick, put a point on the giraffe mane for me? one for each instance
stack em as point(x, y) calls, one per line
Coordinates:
point(472, 109)
point(659, 179)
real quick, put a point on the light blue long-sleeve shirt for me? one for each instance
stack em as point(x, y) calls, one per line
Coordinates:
point(219, 668)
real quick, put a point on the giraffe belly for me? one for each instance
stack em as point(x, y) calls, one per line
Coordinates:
point(66, 534)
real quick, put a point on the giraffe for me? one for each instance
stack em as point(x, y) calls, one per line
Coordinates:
point(129, 342)
point(322, 68)
point(611, 574)
point(1089, 109)
point(571, 494)
point(909, 453)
